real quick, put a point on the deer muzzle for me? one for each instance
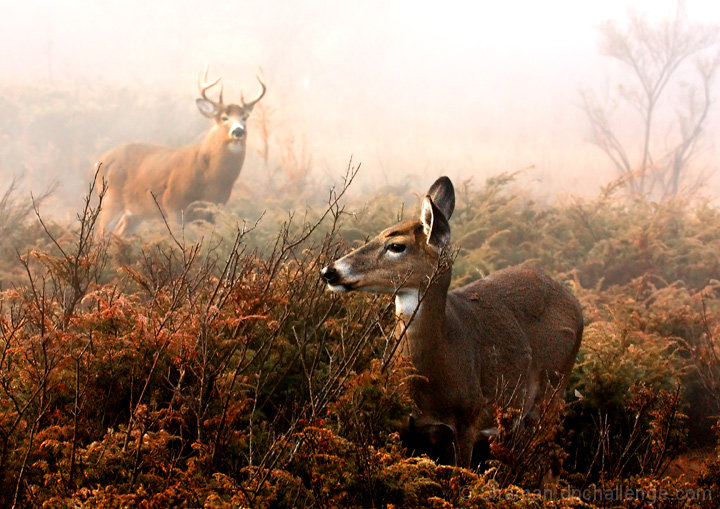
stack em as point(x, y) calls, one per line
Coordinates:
point(334, 280)
point(330, 275)
point(237, 131)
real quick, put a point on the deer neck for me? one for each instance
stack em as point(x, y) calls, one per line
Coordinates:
point(421, 333)
point(222, 160)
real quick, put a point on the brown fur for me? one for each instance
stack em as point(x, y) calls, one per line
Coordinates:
point(508, 339)
point(178, 177)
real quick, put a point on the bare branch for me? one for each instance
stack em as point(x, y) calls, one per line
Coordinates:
point(653, 55)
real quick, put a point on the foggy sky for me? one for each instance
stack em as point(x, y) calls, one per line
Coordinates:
point(405, 88)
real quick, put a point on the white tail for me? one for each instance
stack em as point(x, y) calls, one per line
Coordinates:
point(509, 338)
point(178, 177)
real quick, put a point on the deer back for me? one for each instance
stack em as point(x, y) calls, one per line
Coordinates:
point(544, 315)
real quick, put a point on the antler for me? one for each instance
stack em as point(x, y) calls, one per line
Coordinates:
point(252, 103)
point(204, 86)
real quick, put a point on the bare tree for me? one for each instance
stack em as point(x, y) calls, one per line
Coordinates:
point(671, 63)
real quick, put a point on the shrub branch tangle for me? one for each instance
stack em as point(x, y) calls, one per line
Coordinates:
point(213, 373)
point(215, 351)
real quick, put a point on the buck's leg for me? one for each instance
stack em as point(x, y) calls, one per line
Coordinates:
point(200, 211)
point(111, 210)
point(127, 224)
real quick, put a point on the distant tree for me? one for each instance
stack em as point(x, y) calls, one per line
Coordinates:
point(671, 63)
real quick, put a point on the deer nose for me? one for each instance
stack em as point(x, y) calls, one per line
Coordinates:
point(237, 131)
point(330, 275)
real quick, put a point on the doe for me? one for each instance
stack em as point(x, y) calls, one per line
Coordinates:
point(510, 338)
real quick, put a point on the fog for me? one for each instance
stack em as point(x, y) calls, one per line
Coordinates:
point(409, 89)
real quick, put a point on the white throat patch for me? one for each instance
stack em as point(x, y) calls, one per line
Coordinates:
point(235, 147)
point(406, 302)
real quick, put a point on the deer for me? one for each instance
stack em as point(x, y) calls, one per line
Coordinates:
point(137, 175)
point(510, 338)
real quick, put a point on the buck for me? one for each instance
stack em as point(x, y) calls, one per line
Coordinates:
point(203, 172)
point(508, 339)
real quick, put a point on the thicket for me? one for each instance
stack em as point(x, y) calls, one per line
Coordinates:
point(209, 367)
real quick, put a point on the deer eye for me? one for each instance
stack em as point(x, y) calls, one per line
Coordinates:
point(224, 117)
point(395, 247)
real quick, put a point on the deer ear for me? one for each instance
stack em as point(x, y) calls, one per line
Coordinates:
point(442, 193)
point(207, 108)
point(435, 225)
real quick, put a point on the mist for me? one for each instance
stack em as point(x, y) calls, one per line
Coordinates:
point(407, 89)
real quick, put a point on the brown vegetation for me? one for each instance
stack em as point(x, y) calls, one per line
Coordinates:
point(220, 373)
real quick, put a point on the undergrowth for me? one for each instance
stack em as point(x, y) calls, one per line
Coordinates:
point(208, 366)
